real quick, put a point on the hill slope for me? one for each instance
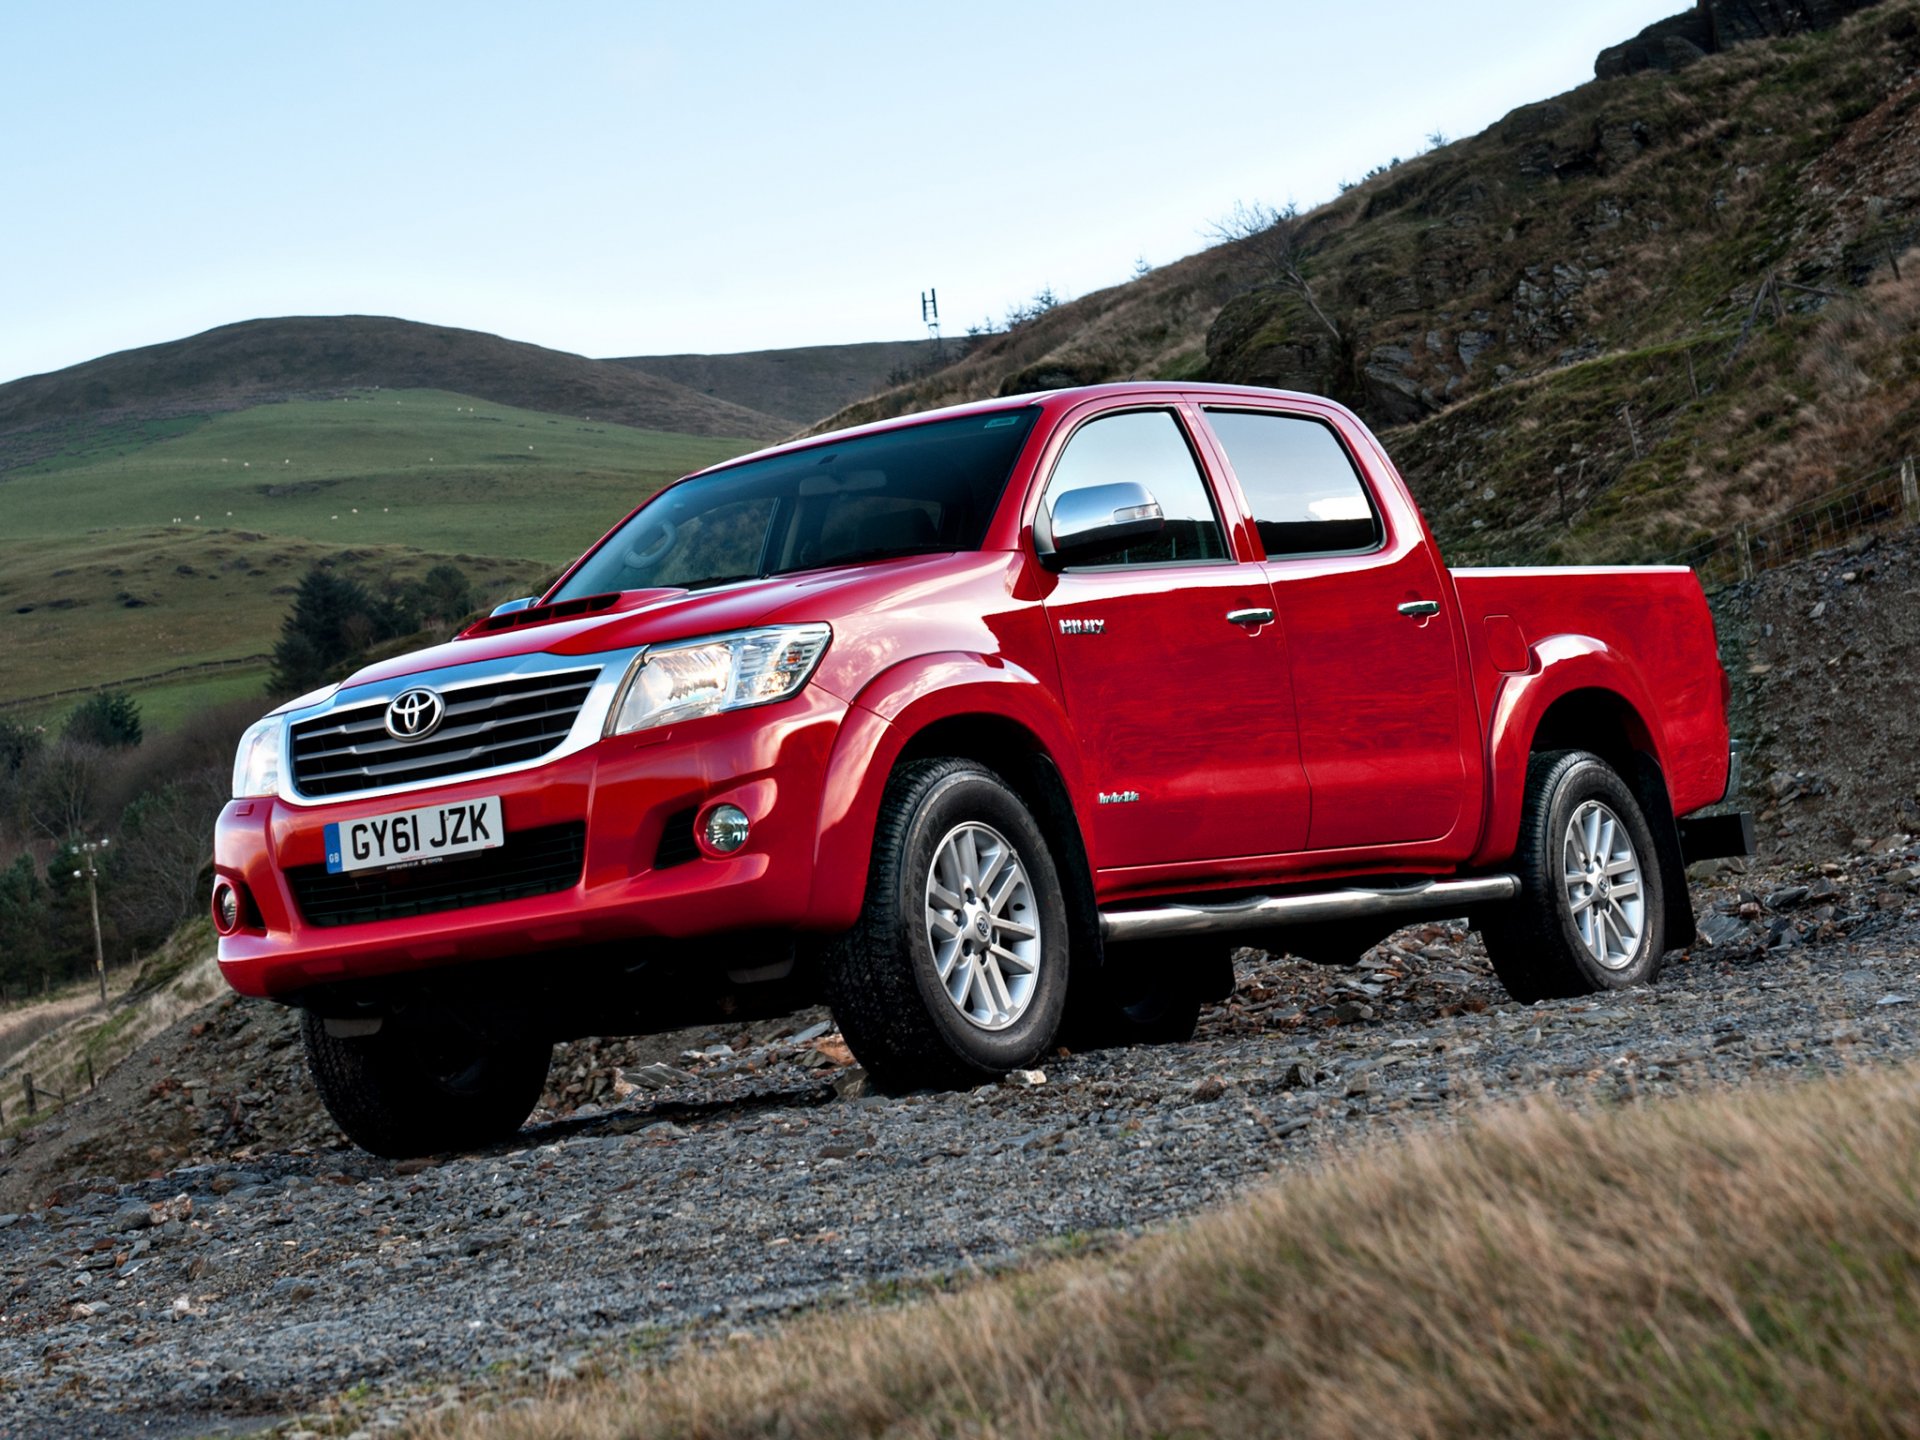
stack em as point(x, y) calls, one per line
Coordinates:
point(1647, 308)
point(305, 356)
point(799, 384)
point(141, 547)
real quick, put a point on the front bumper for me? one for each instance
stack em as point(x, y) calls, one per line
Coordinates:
point(770, 761)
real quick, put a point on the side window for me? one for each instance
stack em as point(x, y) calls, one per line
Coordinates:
point(1307, 498)
point(1146, 446)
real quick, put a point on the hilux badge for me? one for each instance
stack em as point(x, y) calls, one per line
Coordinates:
point(415, 714)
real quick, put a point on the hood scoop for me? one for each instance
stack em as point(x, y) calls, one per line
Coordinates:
point(544, 614)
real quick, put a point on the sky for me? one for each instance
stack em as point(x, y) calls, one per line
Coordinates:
point(639, 178)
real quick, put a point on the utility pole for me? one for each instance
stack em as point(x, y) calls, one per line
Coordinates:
point(90, 848)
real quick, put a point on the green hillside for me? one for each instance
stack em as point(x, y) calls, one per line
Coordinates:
point(137, 547)
point(314, 356)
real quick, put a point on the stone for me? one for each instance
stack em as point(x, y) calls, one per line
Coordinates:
point(659, 1076)
point(852, 1084)
point(1210, 1088)
point(1026, 1079)
point(131, 1217)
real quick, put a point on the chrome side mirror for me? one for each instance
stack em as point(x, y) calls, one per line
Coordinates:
point(509, 606)
point(1098, 520)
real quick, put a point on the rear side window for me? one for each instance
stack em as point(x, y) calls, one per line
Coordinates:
point(1148, 447)
point(1306, 496)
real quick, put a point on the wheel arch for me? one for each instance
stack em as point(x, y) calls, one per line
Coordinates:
point(948, 706)
point(1585, 696)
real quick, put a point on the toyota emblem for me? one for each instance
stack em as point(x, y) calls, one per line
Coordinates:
point(415, 714)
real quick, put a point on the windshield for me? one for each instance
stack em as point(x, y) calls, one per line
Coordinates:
point(922, 490)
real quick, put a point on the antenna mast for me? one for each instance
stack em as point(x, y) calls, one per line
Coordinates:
point(930, 317)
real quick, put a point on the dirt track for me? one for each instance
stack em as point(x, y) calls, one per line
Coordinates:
point(288, 1270)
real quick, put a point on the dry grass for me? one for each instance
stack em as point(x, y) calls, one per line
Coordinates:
point(172, 983)
point(1747, 1263)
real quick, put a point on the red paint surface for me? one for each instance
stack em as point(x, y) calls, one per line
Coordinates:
point(1342, 739)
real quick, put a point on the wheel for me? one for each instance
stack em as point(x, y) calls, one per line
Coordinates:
point(1148, 993)
point(1590, 915)
point(957, 970)
point(403, 1092)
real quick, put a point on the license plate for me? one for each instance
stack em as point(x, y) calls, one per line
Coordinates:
point(410, 836)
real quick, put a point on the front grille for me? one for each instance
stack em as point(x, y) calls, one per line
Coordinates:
point(532, 862)
point(498, 722)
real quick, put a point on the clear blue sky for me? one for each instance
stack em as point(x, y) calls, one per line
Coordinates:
point(641, 178)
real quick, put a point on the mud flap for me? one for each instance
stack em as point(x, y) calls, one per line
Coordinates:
point(1650, 790)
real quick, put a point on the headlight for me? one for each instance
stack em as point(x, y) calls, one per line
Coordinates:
point(670, 683)
point(256, 767)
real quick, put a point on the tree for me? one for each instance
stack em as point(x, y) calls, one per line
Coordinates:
point(18, 744)
point(58, 792)
point(162, 856)
point(332, 620)
point(1272, 248)
point(442, 596)
point(23, 924)
point(109, 719)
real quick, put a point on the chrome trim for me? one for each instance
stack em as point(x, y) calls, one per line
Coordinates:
point(1733, 771)
point(1420, 607)
point(587, 723)
point(1255, 615)
point(1260, 912)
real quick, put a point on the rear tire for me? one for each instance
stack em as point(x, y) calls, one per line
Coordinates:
point(1591, 913)
point(404, 1092)
point(957, 970)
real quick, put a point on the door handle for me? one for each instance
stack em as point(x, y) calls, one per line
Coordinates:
point(1250, 617)
point(1420, 607)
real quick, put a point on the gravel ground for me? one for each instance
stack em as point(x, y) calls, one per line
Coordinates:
point(736, 1182)
point(1824, 653)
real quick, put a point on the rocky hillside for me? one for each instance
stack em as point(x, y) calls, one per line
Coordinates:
point(235, 366)
point(1612, 322)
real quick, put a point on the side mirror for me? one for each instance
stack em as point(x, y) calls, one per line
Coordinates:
point(1086, 524)
point(508, 607)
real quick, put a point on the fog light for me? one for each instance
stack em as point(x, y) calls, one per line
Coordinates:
point(725, 829)
point(226, 908)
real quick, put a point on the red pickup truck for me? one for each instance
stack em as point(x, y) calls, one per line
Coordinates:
point(990, 726)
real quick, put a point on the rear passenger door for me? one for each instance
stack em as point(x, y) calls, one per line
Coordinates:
point(1376, 675)
point(1184, 712)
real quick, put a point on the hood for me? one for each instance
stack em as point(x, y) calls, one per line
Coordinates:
point(650, 617)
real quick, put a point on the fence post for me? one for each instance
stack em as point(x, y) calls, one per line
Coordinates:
point(92, 1084)
point(1743, 540)
point(28, 1082)
point(1909, 492)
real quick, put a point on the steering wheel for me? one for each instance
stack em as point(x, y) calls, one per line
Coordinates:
point(644, 559)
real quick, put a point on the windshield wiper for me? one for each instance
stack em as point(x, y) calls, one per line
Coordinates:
point(705, 581)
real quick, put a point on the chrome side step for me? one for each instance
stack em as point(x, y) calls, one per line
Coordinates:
point(1270, 912)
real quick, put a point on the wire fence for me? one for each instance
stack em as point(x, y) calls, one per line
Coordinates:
point(1888, 499)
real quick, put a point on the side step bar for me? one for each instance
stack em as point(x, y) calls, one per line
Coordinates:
point(1435, 898)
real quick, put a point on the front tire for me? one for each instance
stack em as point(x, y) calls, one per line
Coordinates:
point(1591, 913)
point(957, 970)
point(404, 1092)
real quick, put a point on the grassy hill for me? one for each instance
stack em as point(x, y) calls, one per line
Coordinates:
point(800, 384)
point(1547, 318)
point(305, 356)
point(144, 545)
